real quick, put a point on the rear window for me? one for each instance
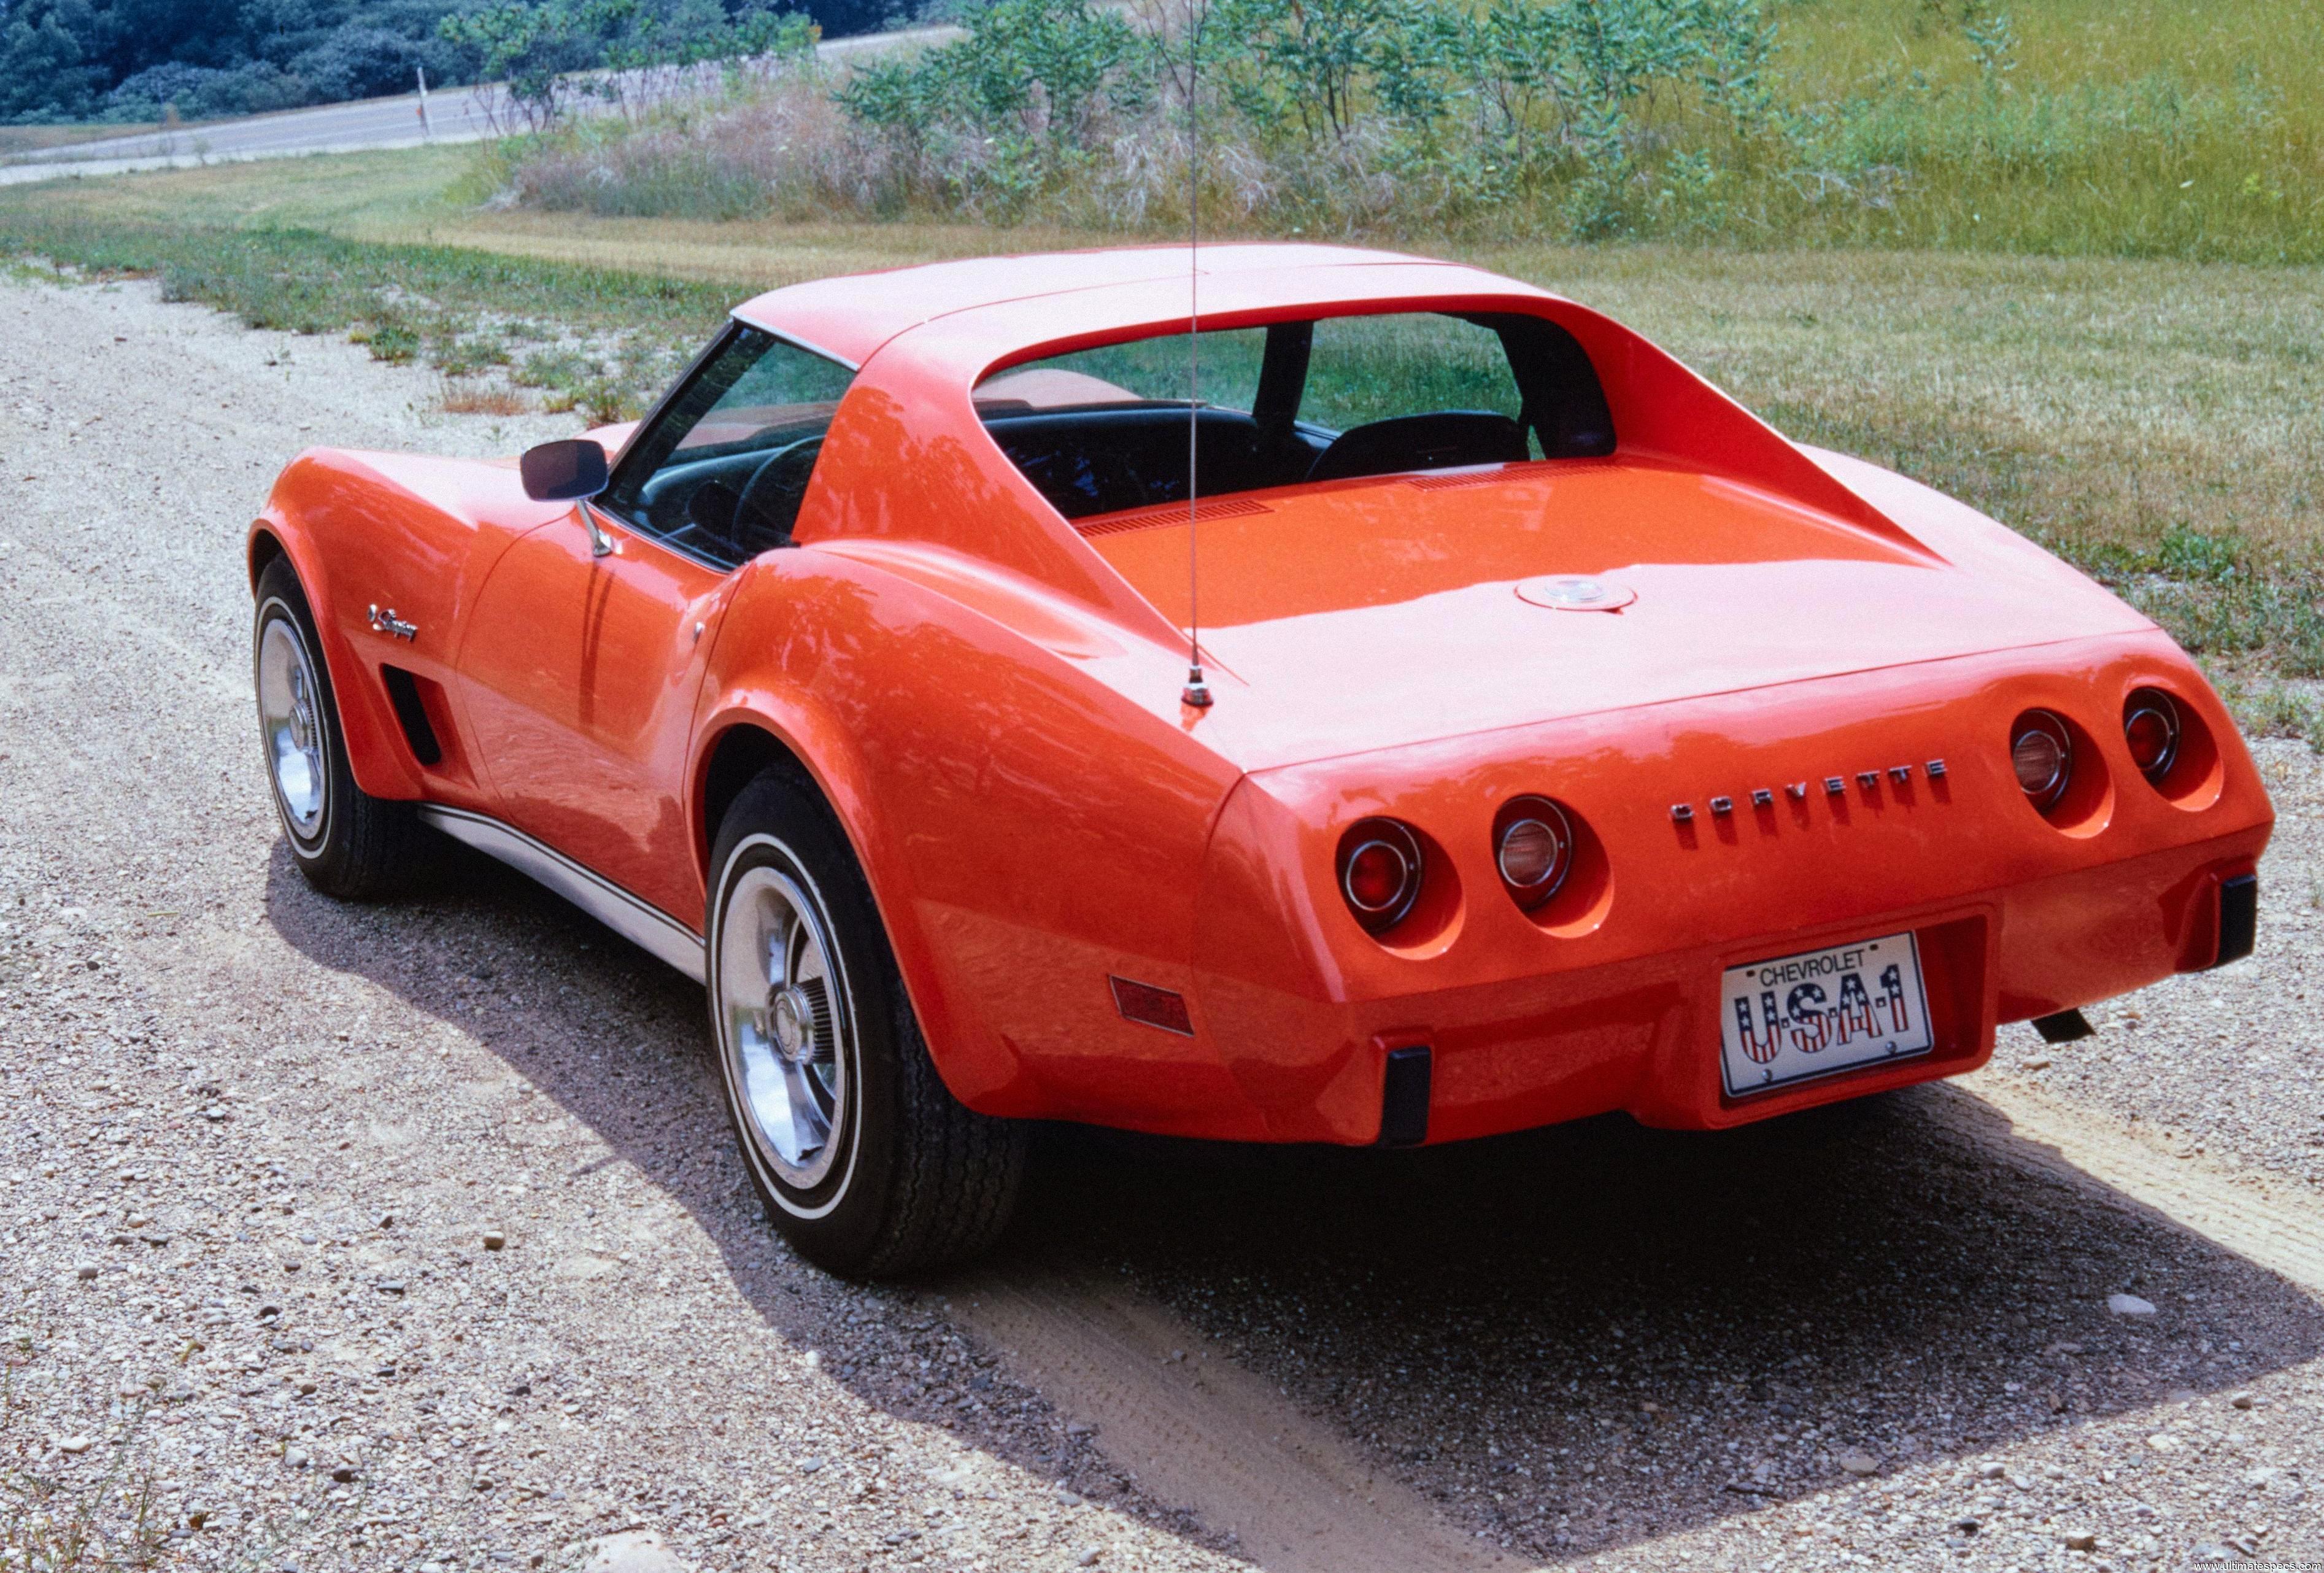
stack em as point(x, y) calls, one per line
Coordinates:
point(1101, 431)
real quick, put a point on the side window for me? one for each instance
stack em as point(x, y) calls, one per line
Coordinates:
point(722, 471)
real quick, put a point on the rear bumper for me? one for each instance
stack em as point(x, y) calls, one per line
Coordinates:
point(1613, 1003)
point(1642, 1036)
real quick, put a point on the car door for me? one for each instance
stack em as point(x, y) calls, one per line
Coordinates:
point(587, 645)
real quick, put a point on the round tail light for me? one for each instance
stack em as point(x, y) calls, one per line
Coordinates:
point(1533, 844)
point(2150, 725)
point(2041, 753)
point(1380, 872)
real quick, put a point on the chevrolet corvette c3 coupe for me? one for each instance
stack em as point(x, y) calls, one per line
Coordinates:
point(1567, 739)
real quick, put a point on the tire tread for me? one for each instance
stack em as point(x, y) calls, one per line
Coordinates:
point(955, 1174)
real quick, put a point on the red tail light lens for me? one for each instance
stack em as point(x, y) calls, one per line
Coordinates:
point(1532, 843)
point(1380, 871)
point(2041, 753)
point(2150, 725)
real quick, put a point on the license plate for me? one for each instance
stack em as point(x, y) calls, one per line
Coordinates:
point(1807, 1015)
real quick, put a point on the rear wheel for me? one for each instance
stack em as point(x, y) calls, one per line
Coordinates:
point(863, 1158)
point(344, 841)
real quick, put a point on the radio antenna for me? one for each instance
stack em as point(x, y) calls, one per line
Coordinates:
point(1197, 692)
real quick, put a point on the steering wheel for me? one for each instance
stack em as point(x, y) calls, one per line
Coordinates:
point(769, 503)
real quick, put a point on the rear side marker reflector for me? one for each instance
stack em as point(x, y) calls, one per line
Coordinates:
point(1151, 1007)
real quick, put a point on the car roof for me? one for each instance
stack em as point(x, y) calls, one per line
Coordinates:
point(852, 315)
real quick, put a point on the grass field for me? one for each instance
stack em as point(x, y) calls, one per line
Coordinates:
point(2156, 422)
point(2130, 127)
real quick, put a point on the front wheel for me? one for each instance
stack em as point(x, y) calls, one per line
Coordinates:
point(344, 841)
point(862, 1157)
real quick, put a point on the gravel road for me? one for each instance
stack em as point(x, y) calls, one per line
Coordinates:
point(407, 1237)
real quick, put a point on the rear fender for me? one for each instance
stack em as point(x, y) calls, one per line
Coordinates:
point(1026, 833)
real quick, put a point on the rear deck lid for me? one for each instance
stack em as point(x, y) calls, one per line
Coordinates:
point(1367, 614)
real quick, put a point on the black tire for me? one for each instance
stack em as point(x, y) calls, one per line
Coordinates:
point(912, 1180)
point(356, 847)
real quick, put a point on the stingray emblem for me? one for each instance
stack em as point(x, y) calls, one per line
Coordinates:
point(394, 626)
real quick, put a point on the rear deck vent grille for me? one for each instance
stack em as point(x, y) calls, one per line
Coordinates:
point(1172, 514)
point(1475, 477)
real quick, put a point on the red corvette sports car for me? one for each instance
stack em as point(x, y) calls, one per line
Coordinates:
point(1574, 741)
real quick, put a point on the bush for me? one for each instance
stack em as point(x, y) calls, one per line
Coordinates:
point(366, 63)
point(204, 93)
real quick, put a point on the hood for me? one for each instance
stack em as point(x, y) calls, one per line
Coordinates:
point(1366, 614)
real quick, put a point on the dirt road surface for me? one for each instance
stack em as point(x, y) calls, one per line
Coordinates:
point(408, 1237)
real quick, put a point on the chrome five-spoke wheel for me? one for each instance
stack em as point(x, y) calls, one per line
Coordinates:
point(292, 721)
point(862, 1156)
point(787, 1023)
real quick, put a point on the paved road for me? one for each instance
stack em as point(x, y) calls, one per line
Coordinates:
point(453, 114)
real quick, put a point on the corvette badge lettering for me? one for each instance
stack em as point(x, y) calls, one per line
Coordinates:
point(1797, 791)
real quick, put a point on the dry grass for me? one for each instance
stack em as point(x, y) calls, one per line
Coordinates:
point(61, 1511)
point(466, 396)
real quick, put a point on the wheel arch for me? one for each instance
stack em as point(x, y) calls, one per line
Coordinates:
point(368, 730)
point(746, 733)
point(265, 544)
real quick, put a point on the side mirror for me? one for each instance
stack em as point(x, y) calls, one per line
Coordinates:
point(564, 472)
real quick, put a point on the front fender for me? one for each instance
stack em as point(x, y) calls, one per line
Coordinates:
point(367, 726)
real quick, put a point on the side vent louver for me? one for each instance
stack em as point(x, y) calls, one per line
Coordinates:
point(411, 713)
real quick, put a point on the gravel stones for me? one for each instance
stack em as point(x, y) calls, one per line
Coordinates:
point(2129, 1305)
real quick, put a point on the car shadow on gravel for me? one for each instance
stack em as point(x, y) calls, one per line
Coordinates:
point(620, 1041)
point(1583, 1337)
point(1573, 1339)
